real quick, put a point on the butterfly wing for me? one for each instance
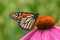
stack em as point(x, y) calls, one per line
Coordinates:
point(26, 22)
point(25, 19)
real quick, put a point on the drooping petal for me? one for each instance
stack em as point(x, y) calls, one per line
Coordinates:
point(57, 28)
point(36, 35)
point(46, 35)
point(55, 33)
point(50, 34)
point(28, 36)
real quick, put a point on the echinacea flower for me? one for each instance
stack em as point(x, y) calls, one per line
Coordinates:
point(46, 30)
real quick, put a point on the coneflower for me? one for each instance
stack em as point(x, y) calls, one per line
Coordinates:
point(51, 31)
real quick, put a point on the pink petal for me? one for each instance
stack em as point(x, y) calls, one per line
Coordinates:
point(36, 35)
point(50, 34)
point(28, 36)
point(55, 34)
point(46, 35)
point(57, 28)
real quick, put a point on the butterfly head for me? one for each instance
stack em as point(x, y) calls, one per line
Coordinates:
point(15, 15)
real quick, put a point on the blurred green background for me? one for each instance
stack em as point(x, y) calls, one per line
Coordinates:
point(9, 29)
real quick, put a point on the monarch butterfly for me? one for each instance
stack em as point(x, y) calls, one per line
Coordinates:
point(24, 19)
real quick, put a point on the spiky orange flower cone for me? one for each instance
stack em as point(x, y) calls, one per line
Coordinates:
point(51, 31)
point(45, 22)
